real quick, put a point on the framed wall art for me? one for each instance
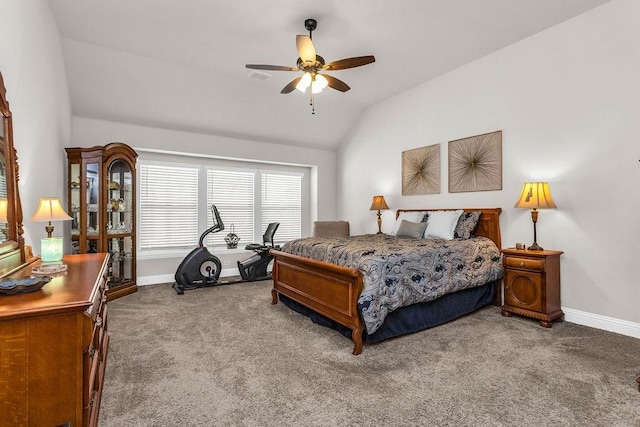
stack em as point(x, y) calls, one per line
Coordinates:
point(475, 163)
point(421, 171)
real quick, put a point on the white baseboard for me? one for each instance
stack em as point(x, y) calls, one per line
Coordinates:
point(154, 280)
point(610, 324)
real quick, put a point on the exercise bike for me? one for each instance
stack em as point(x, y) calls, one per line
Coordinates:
point(201, 268)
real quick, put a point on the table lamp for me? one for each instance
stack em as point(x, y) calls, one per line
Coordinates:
point(50, 209)
point(379, 204)
point(534, 196)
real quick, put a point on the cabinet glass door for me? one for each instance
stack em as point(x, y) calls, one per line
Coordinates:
point(121, 250)
point(120, 201)
point(93, 202)
point(74, 200)
point(120, 219)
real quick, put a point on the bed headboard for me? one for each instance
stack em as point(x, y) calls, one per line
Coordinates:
point(488, 224)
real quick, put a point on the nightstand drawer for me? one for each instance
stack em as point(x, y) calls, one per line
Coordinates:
point(524, 263)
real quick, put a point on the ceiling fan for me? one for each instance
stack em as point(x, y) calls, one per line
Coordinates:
point(311, 64)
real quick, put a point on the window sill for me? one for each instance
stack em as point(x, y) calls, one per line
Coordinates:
point(181, 253)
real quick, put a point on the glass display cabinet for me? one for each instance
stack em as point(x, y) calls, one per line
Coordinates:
point(102, 205)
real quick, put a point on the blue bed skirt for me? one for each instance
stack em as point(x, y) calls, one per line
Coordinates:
point(414, 317)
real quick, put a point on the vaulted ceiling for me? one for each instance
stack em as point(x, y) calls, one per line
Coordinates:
point(181, 64)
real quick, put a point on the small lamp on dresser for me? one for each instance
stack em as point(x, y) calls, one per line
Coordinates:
point(50, 209)
point(379, 204)
point(534, 196)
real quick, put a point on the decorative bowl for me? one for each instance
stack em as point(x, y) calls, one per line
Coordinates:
point(47, 269)
point(23, 285)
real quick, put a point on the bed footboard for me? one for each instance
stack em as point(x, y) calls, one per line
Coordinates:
point(328, 289)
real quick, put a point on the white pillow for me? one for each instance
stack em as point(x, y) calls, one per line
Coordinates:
point(407, 216)
point(442, 224)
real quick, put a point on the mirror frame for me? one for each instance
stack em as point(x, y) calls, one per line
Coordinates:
point(12, 255)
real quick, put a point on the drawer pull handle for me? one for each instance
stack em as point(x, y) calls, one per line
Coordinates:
point(521, 264)
point(92, 401)
point(91, 351)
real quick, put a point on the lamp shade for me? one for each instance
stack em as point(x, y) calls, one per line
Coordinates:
point(50, 209)
point(535, 195)
point(318, 83)
point(378, 204)
point(304, 82)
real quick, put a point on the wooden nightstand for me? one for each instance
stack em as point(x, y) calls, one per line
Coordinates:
point(532, 284)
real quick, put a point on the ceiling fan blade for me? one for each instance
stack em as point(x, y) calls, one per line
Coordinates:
point(291, 86)
point(336, 84)
point(271, 67)
point(343, 64)
point(306, 50)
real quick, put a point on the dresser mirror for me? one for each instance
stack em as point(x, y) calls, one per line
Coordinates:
point(12, 256)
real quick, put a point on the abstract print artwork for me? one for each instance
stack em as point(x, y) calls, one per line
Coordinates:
point(475, 163)
point(421, 171)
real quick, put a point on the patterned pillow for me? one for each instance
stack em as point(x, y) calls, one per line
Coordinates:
point(467, 224)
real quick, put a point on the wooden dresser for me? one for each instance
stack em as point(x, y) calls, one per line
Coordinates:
point(53, 347)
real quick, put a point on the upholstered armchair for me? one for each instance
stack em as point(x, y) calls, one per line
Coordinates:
point(330, 228)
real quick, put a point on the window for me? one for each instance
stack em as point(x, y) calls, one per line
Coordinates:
point(175, 203)
point(281, 202)
point(232, 191)
point(168, 206)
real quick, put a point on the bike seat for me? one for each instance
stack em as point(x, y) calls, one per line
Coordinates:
point(267, 237)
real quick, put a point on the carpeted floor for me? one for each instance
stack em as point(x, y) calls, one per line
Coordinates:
point(225, 356)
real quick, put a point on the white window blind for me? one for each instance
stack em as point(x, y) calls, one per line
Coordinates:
point(168, 206)
point(232, 191)
point(3, 173)
point(281, 202)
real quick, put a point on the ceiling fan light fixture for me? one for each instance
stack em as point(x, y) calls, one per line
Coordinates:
point(310, 63)
point(321, 81)
point(304, 82)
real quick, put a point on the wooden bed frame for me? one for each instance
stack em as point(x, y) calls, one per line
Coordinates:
point(333, 291)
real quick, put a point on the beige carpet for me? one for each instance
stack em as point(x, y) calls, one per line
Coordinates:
point(225, 356)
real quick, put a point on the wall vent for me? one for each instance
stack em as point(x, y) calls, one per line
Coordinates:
point(258, 75)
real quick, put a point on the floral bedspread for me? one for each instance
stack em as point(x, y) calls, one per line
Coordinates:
point(401, 271)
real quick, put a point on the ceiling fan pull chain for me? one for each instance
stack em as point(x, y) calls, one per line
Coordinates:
point(313, 107)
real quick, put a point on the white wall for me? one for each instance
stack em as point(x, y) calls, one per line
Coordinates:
point(34, 75)
point(567, 101)
point(90, 132)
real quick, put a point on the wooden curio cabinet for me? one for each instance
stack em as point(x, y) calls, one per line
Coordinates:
point(102, 204)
